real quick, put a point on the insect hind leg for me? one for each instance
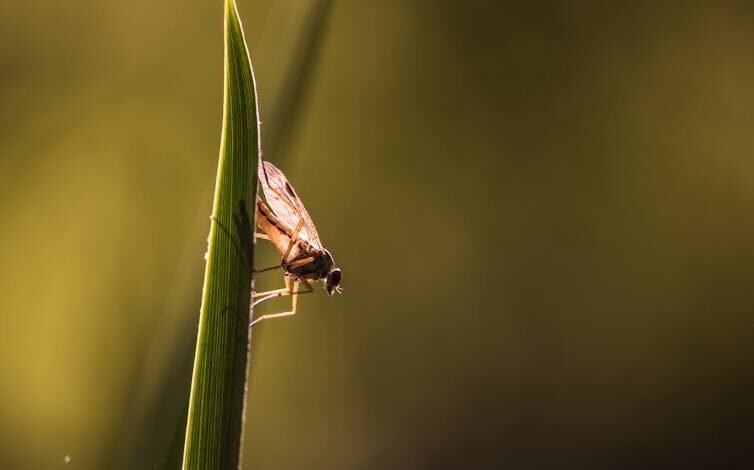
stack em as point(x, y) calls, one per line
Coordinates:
point(294, 239)
point(293, 292)
point(261, 235)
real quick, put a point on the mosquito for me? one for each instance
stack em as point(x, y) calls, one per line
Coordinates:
point(286, 223)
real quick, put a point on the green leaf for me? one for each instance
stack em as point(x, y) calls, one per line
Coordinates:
point(215, 416)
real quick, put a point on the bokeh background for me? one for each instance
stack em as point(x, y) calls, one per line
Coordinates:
point(544, 214)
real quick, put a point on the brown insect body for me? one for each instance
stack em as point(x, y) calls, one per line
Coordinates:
point(304, 261)
point(290, 228)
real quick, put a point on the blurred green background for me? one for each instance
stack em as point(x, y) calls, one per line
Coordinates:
point(544, 214)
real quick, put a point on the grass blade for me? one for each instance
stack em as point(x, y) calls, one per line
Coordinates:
point(215, 416)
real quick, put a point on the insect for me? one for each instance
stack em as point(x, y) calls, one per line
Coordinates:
point(286, 223)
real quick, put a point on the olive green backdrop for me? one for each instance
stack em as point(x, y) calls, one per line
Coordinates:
point(544, 215)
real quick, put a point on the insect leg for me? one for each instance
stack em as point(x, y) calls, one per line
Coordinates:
point(293, 264)
point(261, 235)
point(277, 266)
point(294, 238)
point(299, 262)
point(294, 300)
point(263, 296)
point(260, 297)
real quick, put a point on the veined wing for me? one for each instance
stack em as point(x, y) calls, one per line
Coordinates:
point(280, 235)
point(285, 203)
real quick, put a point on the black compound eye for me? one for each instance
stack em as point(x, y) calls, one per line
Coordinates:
point(333, 280)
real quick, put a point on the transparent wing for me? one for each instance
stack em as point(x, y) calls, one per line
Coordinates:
point(279, 234)
point(285, 203)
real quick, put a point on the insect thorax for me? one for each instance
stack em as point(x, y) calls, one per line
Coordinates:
point(318, 268)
